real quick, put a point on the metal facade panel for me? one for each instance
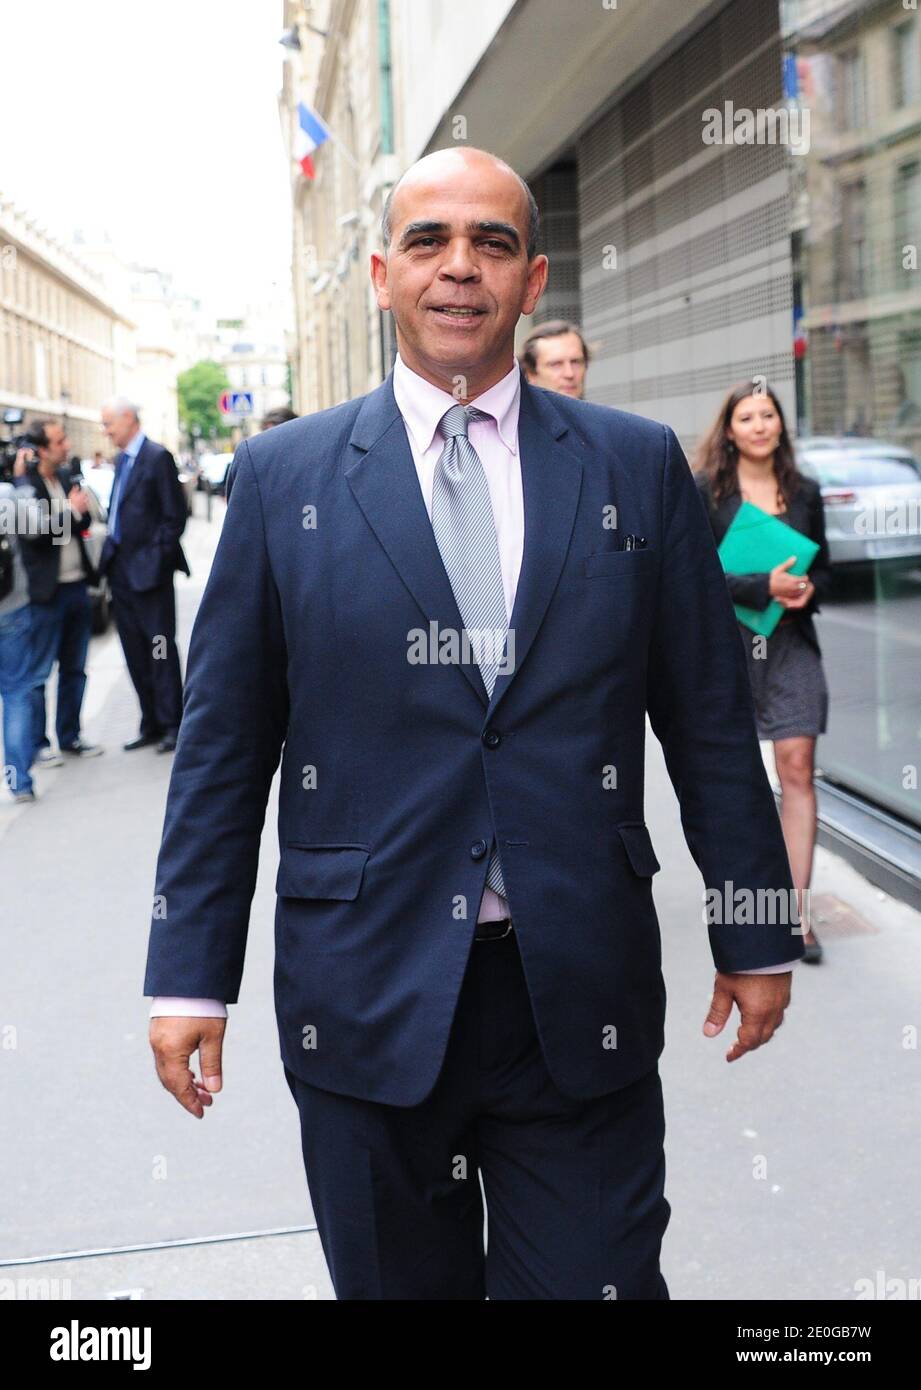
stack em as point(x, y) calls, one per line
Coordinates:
point(701, 292)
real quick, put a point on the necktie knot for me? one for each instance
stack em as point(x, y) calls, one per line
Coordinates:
point(455, 421)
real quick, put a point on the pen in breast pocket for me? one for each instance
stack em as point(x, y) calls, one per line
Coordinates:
point(634, 543)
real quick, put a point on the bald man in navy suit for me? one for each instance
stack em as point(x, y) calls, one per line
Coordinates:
point(448, 607)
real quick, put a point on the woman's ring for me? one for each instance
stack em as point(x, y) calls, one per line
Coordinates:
point(803, 585)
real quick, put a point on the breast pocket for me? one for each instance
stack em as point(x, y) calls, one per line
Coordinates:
point(333, 872)
point(617, 563)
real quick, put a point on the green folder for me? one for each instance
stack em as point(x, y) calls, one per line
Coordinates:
point(756, 542)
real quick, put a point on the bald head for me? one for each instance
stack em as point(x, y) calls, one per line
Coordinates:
point(459, 268)
point(463, 159)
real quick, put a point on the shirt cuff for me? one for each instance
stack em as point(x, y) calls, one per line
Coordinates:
point(170, 1006)
point(768, 969)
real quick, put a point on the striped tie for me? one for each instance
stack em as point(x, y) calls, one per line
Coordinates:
point(465, 532)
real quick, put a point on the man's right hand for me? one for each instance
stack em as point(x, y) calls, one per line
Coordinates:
point(78, 500)
point(173, 1041)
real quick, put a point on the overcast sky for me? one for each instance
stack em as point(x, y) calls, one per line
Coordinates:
point(157, 122)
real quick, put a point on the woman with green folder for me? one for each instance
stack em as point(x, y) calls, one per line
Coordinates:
point(747, 457)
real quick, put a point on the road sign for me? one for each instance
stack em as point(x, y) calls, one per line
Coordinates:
point(236, 403)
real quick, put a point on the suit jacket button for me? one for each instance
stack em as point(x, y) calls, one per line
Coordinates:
point(492, 738)
point(478, 849)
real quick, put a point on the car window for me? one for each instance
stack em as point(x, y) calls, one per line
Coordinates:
point(861, 472)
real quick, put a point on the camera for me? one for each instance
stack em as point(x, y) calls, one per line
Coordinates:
point(10, 447)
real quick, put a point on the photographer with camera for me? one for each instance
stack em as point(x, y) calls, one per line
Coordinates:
point(19, 516)
point(59, 569)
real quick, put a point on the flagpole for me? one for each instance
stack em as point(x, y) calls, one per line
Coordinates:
point(333, 136)
point(344, 148)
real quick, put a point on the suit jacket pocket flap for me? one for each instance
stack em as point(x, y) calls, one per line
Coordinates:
point(639, 849)
point(321, 871)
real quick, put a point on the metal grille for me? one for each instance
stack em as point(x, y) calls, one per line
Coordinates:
point(557, 197)
point(685, 247)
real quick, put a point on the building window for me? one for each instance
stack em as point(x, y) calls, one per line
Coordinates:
point(852, 279)
point(906, 208)
point(906, 76)
point(852, 105)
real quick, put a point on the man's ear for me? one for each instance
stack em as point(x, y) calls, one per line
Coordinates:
point(378, 272)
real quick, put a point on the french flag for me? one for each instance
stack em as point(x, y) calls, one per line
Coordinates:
point(311, 133)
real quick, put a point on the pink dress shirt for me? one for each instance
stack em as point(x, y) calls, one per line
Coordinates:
point(422, 406)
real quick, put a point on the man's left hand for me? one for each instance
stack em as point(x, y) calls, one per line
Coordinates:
point(761, 1000)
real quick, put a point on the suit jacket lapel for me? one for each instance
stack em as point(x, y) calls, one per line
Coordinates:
point(385, 485)
point(727, 510)
point(551, 477)
point(383, 480)
point(132, 476)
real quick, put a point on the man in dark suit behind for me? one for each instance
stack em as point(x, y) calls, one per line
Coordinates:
point(147, 515)
point(468, 968)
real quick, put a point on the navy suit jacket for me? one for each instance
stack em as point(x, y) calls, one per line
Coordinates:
point(390, 792)
point(152, 516)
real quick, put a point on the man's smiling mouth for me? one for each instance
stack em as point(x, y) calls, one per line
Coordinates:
point(458, 311)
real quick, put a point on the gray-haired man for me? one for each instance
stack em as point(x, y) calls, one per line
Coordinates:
point(147, 515)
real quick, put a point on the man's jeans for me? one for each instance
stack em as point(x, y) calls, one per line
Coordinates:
point(60, 633)
point(16, 667)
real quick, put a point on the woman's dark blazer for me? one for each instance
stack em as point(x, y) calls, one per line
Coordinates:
point(804, 513)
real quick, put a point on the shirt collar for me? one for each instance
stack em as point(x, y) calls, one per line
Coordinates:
point(132, 449)
point(423, 405)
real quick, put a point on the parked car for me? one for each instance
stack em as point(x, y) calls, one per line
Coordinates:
point(872, 497)
point(188, 476)
point(212, 472)
point(100, 480)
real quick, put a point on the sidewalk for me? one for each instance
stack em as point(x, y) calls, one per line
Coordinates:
point(791, 1172)
point(97, 1156)
point(94, 1153)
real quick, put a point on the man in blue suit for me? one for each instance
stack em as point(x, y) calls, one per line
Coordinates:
point(448, 606)
point(147, 515)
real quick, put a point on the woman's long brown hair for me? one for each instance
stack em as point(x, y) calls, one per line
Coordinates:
point(718, 458)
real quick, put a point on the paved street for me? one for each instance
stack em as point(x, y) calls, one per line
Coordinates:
point(95, 1156)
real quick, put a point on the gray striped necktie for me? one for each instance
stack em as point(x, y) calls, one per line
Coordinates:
point(465, 532)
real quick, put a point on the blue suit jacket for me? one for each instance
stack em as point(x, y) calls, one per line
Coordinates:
point(152, 516)
point(389, 792)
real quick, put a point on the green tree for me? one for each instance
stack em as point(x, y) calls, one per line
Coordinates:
point(199, 389)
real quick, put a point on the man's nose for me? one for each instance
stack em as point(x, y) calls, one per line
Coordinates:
point(459, 263)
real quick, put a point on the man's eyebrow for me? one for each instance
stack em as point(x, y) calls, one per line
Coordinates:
point(424, 226)
point(504, 228)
